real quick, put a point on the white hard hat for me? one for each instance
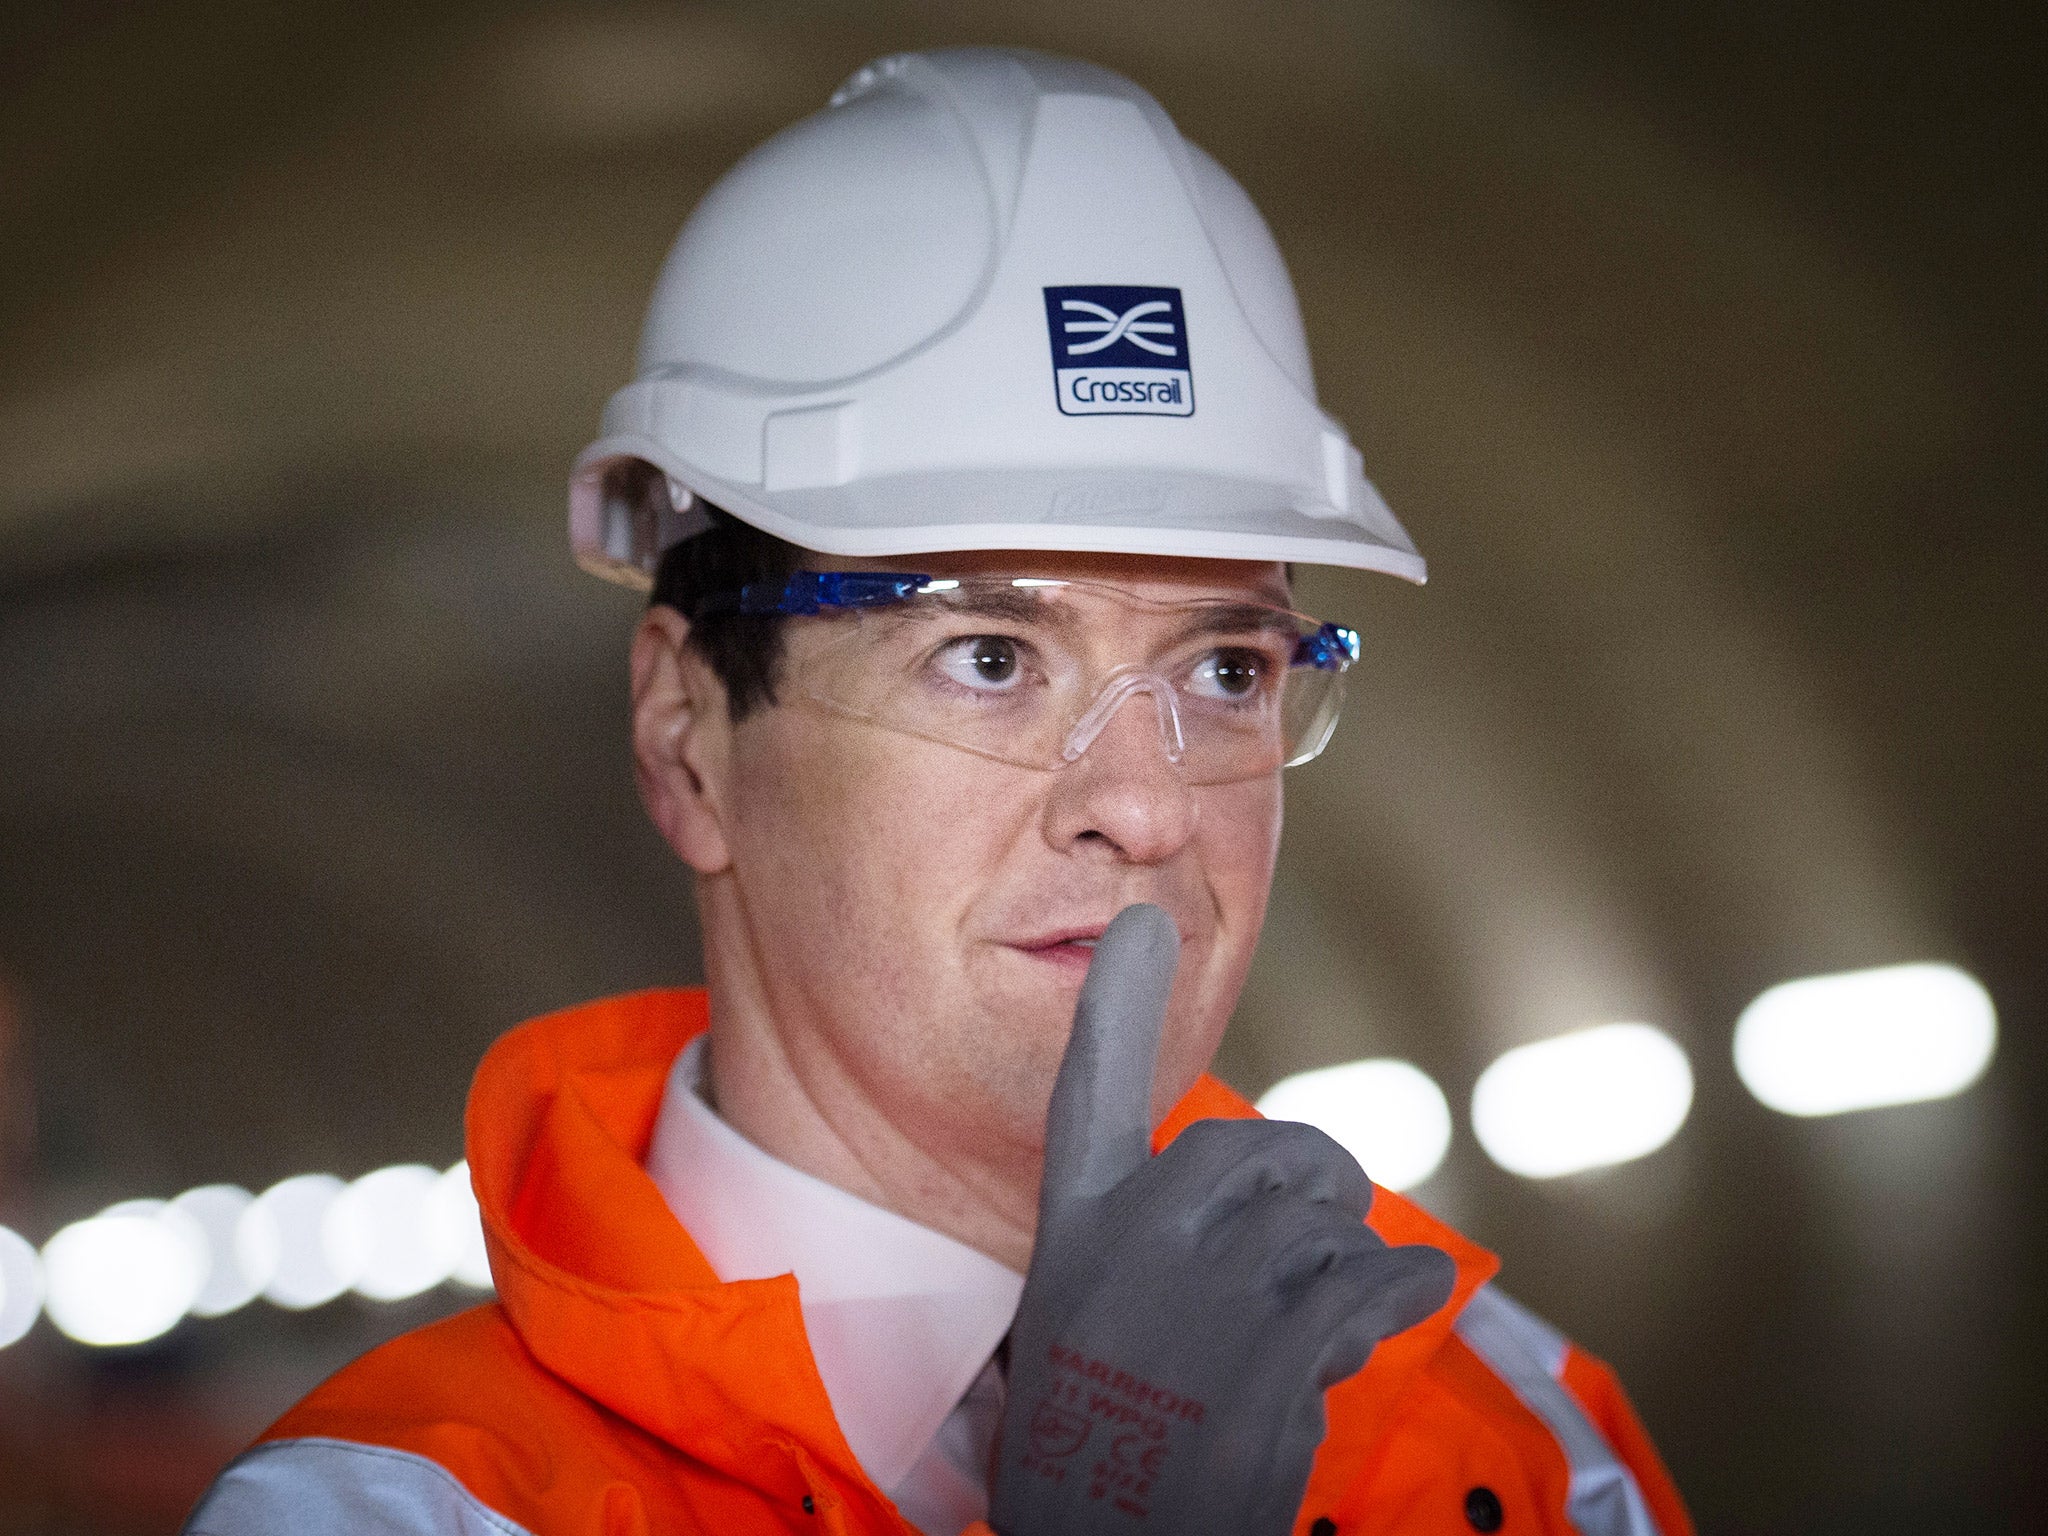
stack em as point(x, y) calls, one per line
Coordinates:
point(987, 299)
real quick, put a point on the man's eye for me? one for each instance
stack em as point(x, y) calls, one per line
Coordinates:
point(1230, 674)
point(987, 663)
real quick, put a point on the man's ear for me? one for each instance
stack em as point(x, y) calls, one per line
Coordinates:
point(682, 741)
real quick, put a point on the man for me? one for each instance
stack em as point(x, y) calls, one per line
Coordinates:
point(973, 441)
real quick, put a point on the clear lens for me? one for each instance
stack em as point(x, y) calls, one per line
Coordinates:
point(1029, 671)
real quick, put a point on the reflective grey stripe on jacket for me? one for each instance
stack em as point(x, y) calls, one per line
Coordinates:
point(1528, 1354)
point(321, 1487)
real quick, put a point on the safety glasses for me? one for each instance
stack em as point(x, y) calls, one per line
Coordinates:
point(1031, 670)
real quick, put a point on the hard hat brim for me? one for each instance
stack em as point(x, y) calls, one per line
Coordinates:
point(1116, 511)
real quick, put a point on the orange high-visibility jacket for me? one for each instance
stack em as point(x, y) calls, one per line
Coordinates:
point(617, 1387)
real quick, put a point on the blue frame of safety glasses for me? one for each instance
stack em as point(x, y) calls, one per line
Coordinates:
point(1332, 648)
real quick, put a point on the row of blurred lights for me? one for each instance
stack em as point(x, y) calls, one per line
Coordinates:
point(1588, 1099)
point(1595, 1097)
point(135, 1270)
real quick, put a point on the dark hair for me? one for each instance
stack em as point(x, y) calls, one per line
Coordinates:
point(743, 649)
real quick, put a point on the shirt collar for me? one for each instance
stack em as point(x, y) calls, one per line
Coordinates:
point(900, 1318)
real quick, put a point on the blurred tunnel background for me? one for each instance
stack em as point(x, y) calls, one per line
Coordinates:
point(1698, 345)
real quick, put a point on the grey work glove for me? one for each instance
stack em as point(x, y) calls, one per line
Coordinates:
point(1183, 1313)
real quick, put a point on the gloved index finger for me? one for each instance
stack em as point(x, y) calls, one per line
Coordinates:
point(1099, 1126)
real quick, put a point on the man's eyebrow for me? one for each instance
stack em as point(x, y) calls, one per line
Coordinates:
point(1237, 618)
point(1026, 606)
point(1019, 605)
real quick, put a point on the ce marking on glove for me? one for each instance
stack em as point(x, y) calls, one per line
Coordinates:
point(1126, 1479)
point(1135, 1452)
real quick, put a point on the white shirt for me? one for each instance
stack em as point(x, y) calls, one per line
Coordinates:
point(903, 1321)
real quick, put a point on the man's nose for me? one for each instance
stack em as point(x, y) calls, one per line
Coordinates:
point(1123, 792)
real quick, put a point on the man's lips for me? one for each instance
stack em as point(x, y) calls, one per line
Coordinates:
point(1054, 938)
point(1066, 948)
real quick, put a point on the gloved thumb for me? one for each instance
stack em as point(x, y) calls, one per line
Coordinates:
point(1099, 1126)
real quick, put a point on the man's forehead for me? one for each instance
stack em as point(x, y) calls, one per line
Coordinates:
point(1169, 577)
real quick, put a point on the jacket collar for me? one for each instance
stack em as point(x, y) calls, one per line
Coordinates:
point(611, 1294)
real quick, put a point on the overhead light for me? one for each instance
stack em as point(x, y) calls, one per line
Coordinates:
point(1583, 1100)
point(382, 1231)
point(1825, 1045)
point(281, 1235)
point(456, 1210)
point(124, 1276)
point(1387, 1114)
point(216, 1210)
point(133, 1271)
point(21, 1286)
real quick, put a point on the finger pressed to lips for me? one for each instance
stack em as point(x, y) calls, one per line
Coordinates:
point(1066, 948)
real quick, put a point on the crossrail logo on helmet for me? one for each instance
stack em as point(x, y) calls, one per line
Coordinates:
point(1119, 351)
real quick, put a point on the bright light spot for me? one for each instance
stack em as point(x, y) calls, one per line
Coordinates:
point(455, 1208)
point(1583, 1100)
point(1861, 1039)
point(1387, 1114)
point(383, 1230)
point(21, 1286)
point(180, 1222)
point(123, 1276)
point(217, 1209)
point(280, 1236)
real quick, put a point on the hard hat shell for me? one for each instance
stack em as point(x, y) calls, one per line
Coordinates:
point(986, 299)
